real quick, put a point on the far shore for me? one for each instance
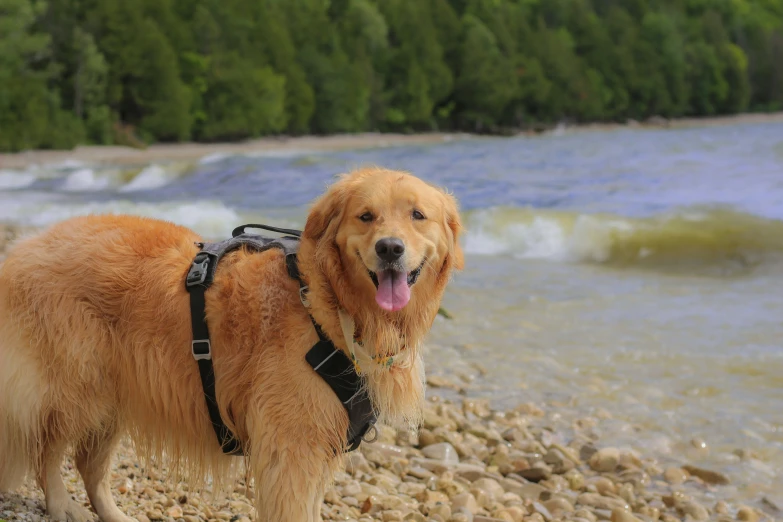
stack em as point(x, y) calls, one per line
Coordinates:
point(107, 154)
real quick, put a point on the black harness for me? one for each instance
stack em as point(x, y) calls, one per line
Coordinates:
point(325, 358)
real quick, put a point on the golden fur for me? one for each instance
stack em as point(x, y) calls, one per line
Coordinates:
point(95, 342)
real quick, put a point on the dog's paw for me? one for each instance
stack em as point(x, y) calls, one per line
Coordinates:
point(72, 511)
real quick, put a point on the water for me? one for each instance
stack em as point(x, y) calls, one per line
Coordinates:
point(635, 272)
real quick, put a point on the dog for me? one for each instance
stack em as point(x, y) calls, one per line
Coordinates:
point(95, 343)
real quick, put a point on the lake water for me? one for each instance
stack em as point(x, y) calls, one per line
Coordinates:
point(634, 273)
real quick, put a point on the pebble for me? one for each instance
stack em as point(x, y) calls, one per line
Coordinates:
point(621, 515)
point(441, 451)
point(175, 512)
point(558, 505)
point(708, 476)
point(605, 460)
point(675, 475)
point(465, 501)
point(747, 514)
point(597, 501)
point(603, 486)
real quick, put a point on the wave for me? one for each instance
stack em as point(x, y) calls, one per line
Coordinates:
point(151, 177)
point(11, 179)
point(210, 219)
point(84, 180)
point(682, 239)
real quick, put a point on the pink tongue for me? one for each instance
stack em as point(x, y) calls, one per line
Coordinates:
point(393, 291)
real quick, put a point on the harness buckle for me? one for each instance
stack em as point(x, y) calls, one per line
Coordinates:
point(198, 270)
point(302, 291)
point(202, 350)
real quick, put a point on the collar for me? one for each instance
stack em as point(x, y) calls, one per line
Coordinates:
point(364, 356)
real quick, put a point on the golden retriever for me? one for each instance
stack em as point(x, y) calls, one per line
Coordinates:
point(95, 341)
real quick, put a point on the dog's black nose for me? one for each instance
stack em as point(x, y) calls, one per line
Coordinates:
point(390, 249)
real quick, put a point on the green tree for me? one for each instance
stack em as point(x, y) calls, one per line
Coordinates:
point(242, 101)
point(486, 82)
point(30, 112)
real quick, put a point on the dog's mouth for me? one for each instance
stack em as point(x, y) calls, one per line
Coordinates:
point(393, 287)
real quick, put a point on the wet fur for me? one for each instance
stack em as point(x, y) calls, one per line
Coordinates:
point(95, 343)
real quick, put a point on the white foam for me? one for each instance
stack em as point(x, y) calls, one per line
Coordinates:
point(212, 158)
point(151, 177)
point(211, 219)
point(84, 180)
point(538, 237)
point(12, 179)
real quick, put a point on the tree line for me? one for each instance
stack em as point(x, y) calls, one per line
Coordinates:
point(141, 71)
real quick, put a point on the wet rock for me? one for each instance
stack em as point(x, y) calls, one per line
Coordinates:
point(528, 491)
point(708, 476)
point(420, 473)
point(176, 512)
point(351, 489)
point(603, 485)
point(621, 515)
point(675, 476)
point(605, 460)
point(536, 473)
point(542, 510)
point(576, 481)
point(465, 501)
point(441, 451)
point(558, 505)
point(747, 514)
point(693, 509)
point(597, 501)
point(558, 461)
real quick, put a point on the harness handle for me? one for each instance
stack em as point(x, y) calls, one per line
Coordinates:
point(241, 230)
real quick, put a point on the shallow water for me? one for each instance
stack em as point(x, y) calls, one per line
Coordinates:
point(635, 272)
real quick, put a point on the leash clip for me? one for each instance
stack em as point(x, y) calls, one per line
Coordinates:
point(198, 270)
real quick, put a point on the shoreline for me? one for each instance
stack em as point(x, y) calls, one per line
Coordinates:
point(190, 151)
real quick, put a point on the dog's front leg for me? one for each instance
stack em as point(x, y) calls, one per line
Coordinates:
point(290, 483)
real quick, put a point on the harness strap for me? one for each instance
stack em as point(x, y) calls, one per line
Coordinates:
point(202, 352)
point(327, 361)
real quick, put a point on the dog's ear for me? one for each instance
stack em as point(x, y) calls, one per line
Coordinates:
point(327, 209)
point(454, 224)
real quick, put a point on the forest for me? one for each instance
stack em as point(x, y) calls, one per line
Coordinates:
point(134, 72)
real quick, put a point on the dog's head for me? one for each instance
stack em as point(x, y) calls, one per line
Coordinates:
point(388, 236)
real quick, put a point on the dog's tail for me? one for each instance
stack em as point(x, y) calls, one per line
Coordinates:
point(19, 406)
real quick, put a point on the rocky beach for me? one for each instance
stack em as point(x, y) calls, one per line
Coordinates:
point(467, 463)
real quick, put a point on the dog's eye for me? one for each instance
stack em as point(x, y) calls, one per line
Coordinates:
point(366, 217)
point(417, 215)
